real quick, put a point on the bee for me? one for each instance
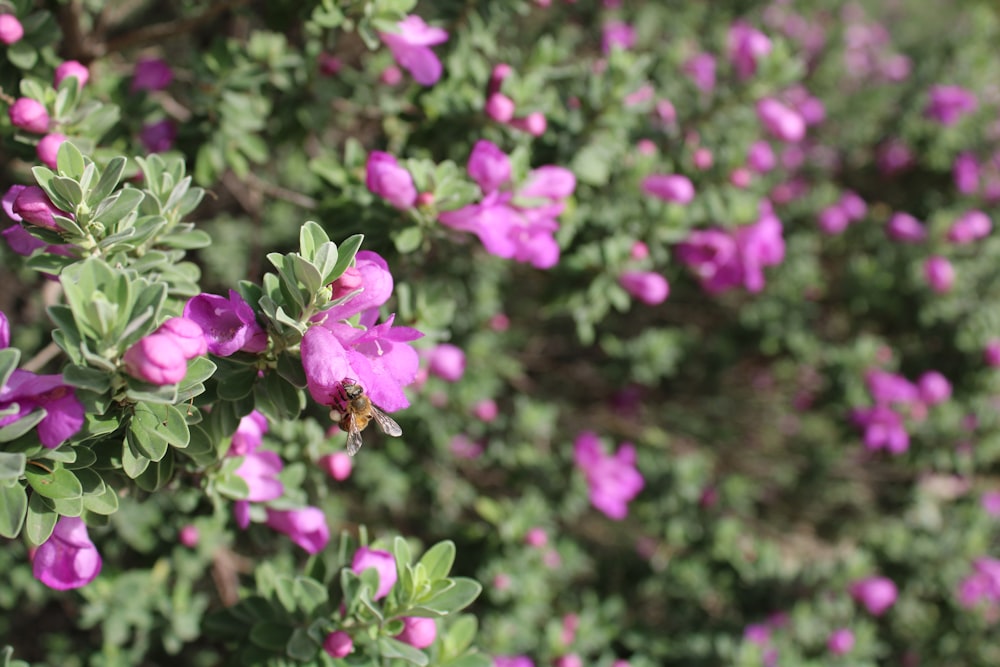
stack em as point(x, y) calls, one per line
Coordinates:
point(357, 411)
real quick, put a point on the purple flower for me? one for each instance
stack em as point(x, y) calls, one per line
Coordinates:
point(783, 123)
point(613, 480)
point(649, 287)
point(384, 564)
point(893, 156)
point(853, 205)
point(158, 137)
point(418, 632)
point(375, 279)
point(64, 413)
point(157, 359)
point(338, 465)
point(338, 644)
point(990, 501)
point(840, 641)
point(447, 362)
point(746, 45)
point(68, 559)
point(708, 253)
point(29, 115)
point(512, 661)
point(617, 34)
point(4, 331)
point(669, 187)
point(385, 178)
point(934, 388)
point(249, 435)
point(940, 273)
point(947, 104)
point(982, 586)
point(701, 69)
point(883, 428)
point(833, 219)
point(151, 74)
point(971, 226)
point(991, 353)
point(877, 594)
point(11, 30)
point(229, 325)
point(886, 387)
point(489, 166)
point(32, 205)
point(260, 470)
point(306, 527)
point(965, 172)
point(410, 48)
point(71, 68)
point(760, 157)
point(187, 334)
point(499, 107)
point(48, 149)
point(905, 228)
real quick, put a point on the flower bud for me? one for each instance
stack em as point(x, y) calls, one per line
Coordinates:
point(760, 157)
point(337, 465)
point(940, 274)
point(156, 359)
point(29, 115)
point(188, 536)
point(151, 74)
point(338, 644)
point(740, 178)
point(187, 334)
point(71, 68)
point(568, 660)
point(486, 410)
point(11, 30)
point(33, 206)
point(833, 219)
point(418, 632)
point(877, 594)
point(536, 537)
point(384, 564)
point(385, 178)
point(534, 123)
point(969, 227)
point(783, 123)
point(48, 149)
point(447, 362)
point(934, 388)
point(702, 159)
point(905, 228)
point(499, 107)
point(329, 64)
point(650, 288)
point(669, 187)
point(391, 76)
point(840, 642)
point(991, 353)
point(639, 251)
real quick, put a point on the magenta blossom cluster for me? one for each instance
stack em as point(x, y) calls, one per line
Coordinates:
point(727, 258)
point(229, 324)
point(26, 392)
point(514, 221)
point(894, 397)
point(377, 356)
point(981, 588)
point(410, 46)
point(613, 479)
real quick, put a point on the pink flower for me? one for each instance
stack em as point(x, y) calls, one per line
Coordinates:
point(11, 30)
point(410, 48)
point(982, 586)
point(947, 104)
point(385, 178)
point(260, 470)
point(418, 632)
point(568, 660)
point(746, 45)
point(489, 166)
point(833, 219)
point(306, 527)
point(877, 594)
point(32, 205)
point(391, 76)
point(499, 107)
point(840, 641)
point(28, 391)
point(940, 273)
point(447, 362)
point(229, 325)
point(4, 331)
point(329, 64)
point(151, 74)
point(338, 644)
point(934, 388)
point(905, 228)
point(965, 172)
point(990, 502)
point(512, 661)
point(702, 159)
point(760, 157)
point(886, 387)
point(71, 68)
point(616, 34)
point(649, 287)
point(158, 137)
point(187, 334)
point(701, 69)
point(29, 115)
point(971, 226)
point(156, 359)
point(783, 123)
point(486, 410)
point(249, 435)
point(383, 563)
point(337, 465)
point(188, 536)
point(669, 187)
point(613, 480)
point(536, 537)
point(991, 353)
point(883, 429)
point(48, 149)
point(534, 123)
point(68, 559)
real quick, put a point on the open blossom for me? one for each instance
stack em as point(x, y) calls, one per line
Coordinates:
point(411, 48)
point(385, 178)
point(947, 104)
point(514, 222)
point(382, 562)
point(613, 479)
point(68, 559)
point(64, 412)
point(306, 527)
point(229, 325)
point(746, 46)
point(151, 74)
point(877, 594)
point(249, 434)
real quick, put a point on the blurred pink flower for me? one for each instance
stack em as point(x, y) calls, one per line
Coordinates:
point(151, 74)
point(382, 562)
point(306, 527)
point(905, 228)
point(385, 178)
point(877, 594)
point(701, 69)
point(746, 46)
point(68, 559)
point(613, 479)
point(649, 287)
point(970, 227)
point(617, 34)
point(411, 48)
point(940, 273)
point(947, 104)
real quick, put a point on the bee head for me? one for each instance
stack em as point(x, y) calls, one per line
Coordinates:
point(353, 390)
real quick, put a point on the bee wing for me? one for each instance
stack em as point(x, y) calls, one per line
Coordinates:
point(354, 441)
point(386, 423)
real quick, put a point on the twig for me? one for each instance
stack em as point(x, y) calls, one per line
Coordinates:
point(44, 356)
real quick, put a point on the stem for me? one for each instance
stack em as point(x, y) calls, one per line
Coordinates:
point(43, 467)
point(44, 356)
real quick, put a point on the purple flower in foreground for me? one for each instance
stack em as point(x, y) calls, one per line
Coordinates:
point(151, 74)
point(11, 30)
point(947, 104)
point(229, 325)
point(613, 480)
point(156, 359)
point(411, 48)
point(68, 559)
point(384, 564)
point(338, 644)
point(33, 206)
point(877, 594)
point(306, 527)
point(385, 178)
point(64, 412)
point(29, 115)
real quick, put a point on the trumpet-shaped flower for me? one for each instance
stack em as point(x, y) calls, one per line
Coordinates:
point(68, 559)
point(411, 48)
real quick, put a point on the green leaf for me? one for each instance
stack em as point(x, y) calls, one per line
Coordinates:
point(309, 594)
point(133, 463)
point(58, 483)
point(460, 635)
point(270, 636)
point(11, 465)
point(156, 426)
point(301, 647)
point(459, 596)
point(395, 649)
point(40, 520)
point(277, 399)
point(104, 504)
point(22, 55)
point(311, 237)
point(470, 660)
point(157, 474)
point(70, 161)
point(437, 561)
point(87, 378)
point(345, 255)
point(109, 180)
point(408, 239)
point(13, 509)
point(8, 362)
